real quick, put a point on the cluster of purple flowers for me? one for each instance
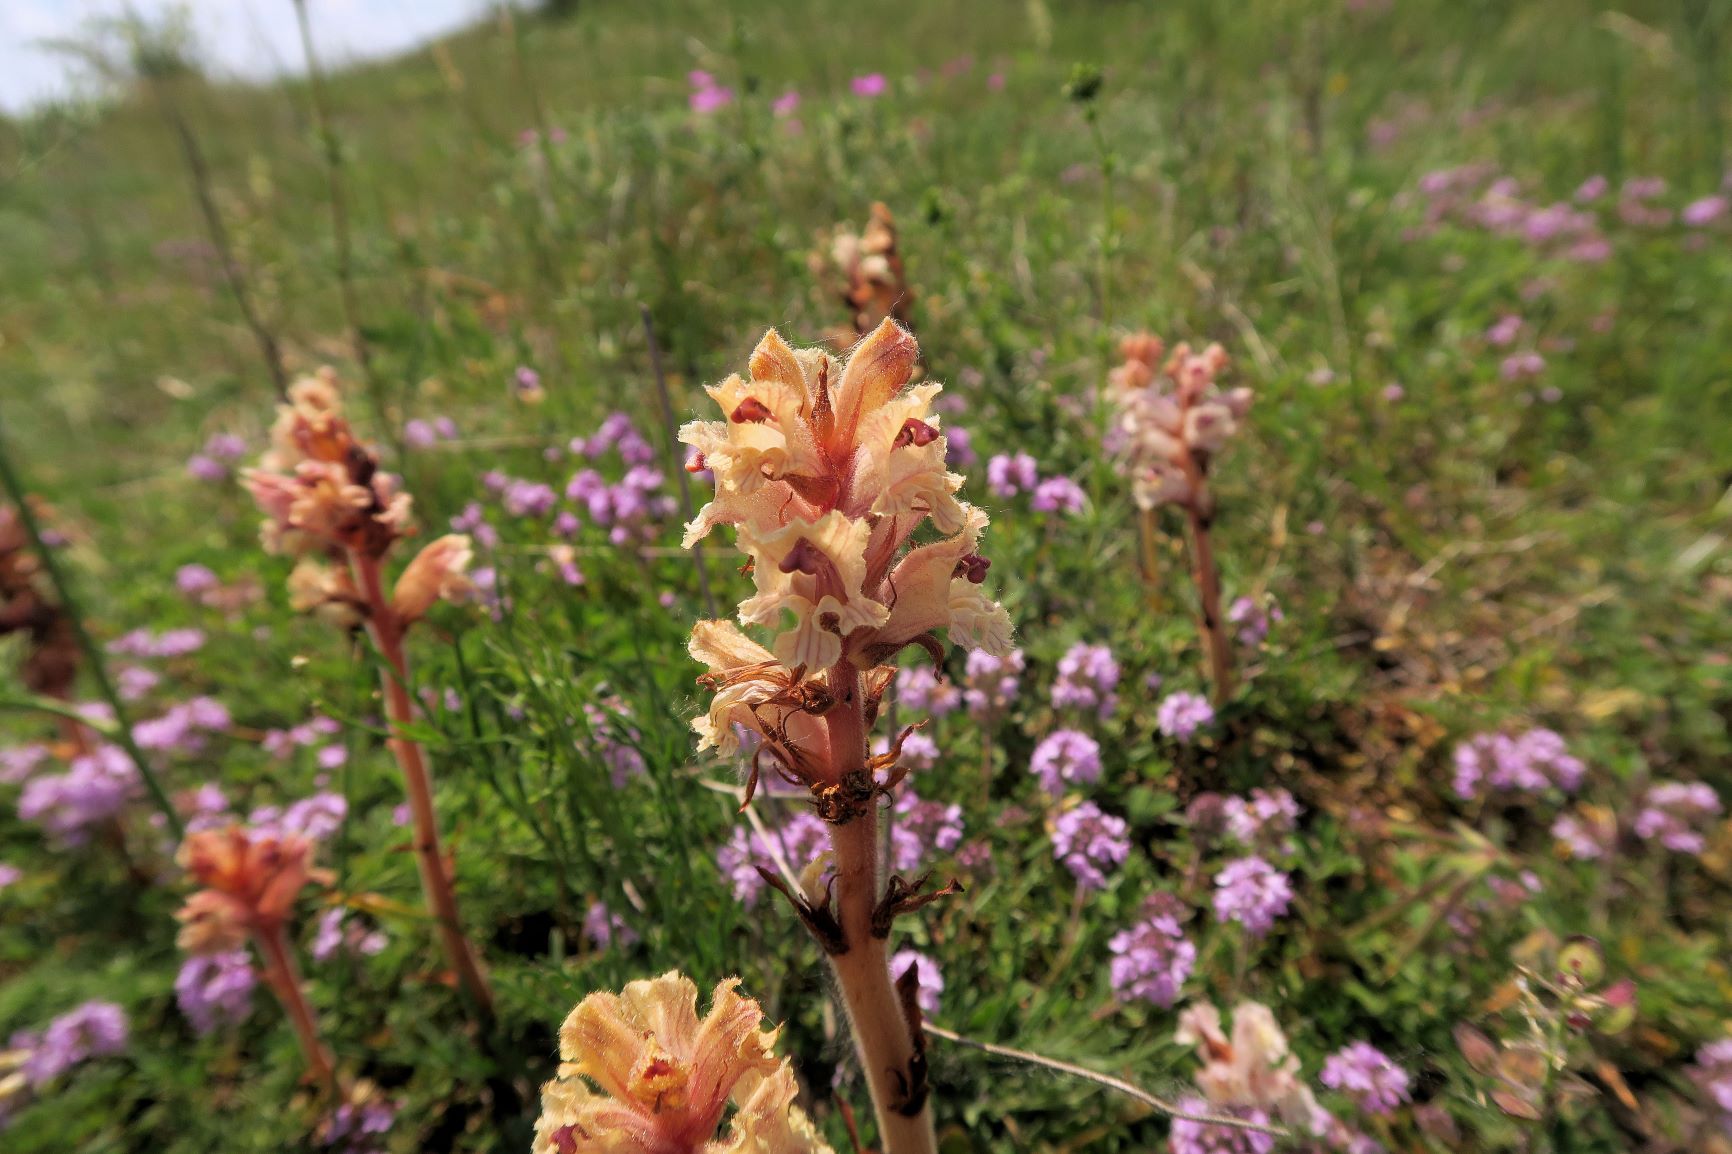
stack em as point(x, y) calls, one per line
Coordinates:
point(280, 743)
point(1088, 841)
point(1474, 196)
point(1012, 474)
point(603, 927)
point(315, 818)
point(1088, 678)
point(357, 1128)
point(135, 681)
point(1181, 714)
point(707, 95)
point(1588, 836)
point(1713, 1073)
point(920, 828)
point(18, 762)
point(93, 790)
point(798, 842)
point(992, 682)
point(1267, 815)
point(93, 1030)
point(1369, 1076)
point(1526, 763)
point(613, 740)
point(1190, 1137)
point(1253, 620)
point(928, 981)
point(420, 434)
point(617, 433)
point(632, 507)
point(216, 990)
point(336, 933)
point(1152, 959)
point(1065, 757)
point(183, 728)
point(473, 521)
point(215, 462)
point(1673, 812)
point(918, 750)
point(168, 643)
point(921, 689)
point(1253, 893)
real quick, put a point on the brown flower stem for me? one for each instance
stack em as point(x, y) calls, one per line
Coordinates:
point(889, 1052)
point(387, 632)
point(284, 978)
point(1148, 534)
point(1208, 579)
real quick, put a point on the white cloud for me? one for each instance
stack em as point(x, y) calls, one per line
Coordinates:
point(249, 38)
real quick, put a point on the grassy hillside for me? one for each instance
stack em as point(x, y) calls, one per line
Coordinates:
point(1484, 480)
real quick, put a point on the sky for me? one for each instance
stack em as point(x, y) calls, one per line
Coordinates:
point(249, 38)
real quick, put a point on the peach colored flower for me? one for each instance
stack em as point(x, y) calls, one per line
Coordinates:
point(640, 1072)
point(1168, 432)
point(438, 573)
point(250, 882)
point(826, 469)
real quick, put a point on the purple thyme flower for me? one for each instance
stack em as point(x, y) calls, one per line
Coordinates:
point(1059, 495)
point(929, 981)
point(921, 827)
point(870, 86)
point(18, 762)
point(614, 740)
point(1181, 714)
point(216, 990)
point(336, 933)
point(420, 434)
point(1528, 763)
point(799, 841)
point(1087, 678)
point(1522, 366)
point(1584, 836)
point(1368, 1075)
point(315, 818)
point(1505, 331)
point(93, 790)
point(707, 96)
point(1152, 959)
point(92, 1030)
point(603, 928)
point(1008, 475)
point(1713, 1073)
point(1066, 756)
point(1704, 212)
point(1253, 893)
point(959, 448)
point(356, 1128)
point(919, 689)
point(1253, 619)
point(1268, 814)
point(9, 874)
point(195, 580)
point(993, 682)
point(1201, 1138)
point(1672, 811)
point(1085, 839)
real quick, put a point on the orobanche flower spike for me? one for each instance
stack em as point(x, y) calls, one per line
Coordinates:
point(829, 470)
point(641, 1073)
point(327, 501)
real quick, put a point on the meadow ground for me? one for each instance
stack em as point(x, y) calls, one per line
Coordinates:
point(1472, 258)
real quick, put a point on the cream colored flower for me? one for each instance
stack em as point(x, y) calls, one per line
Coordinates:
point(438, 573)
point(1255, 1068)
point(1171, 422)
point(663, 1078)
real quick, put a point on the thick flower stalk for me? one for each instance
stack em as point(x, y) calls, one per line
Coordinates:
point(250, 881)
point(327, 502)
point(28, 609)
point(829, 471)
point(1171, 423)
point(641, 1073)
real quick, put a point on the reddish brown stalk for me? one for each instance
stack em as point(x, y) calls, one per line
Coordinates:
point(1200, 510)
point(889, 1052)
point(284, 978)
point(386, 629)
point(1148, 533)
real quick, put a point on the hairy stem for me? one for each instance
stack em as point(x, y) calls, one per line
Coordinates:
point(284, 978)
point(1208, 579)
point(889, 1052)
point(387, 633)
point(1148, 535)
